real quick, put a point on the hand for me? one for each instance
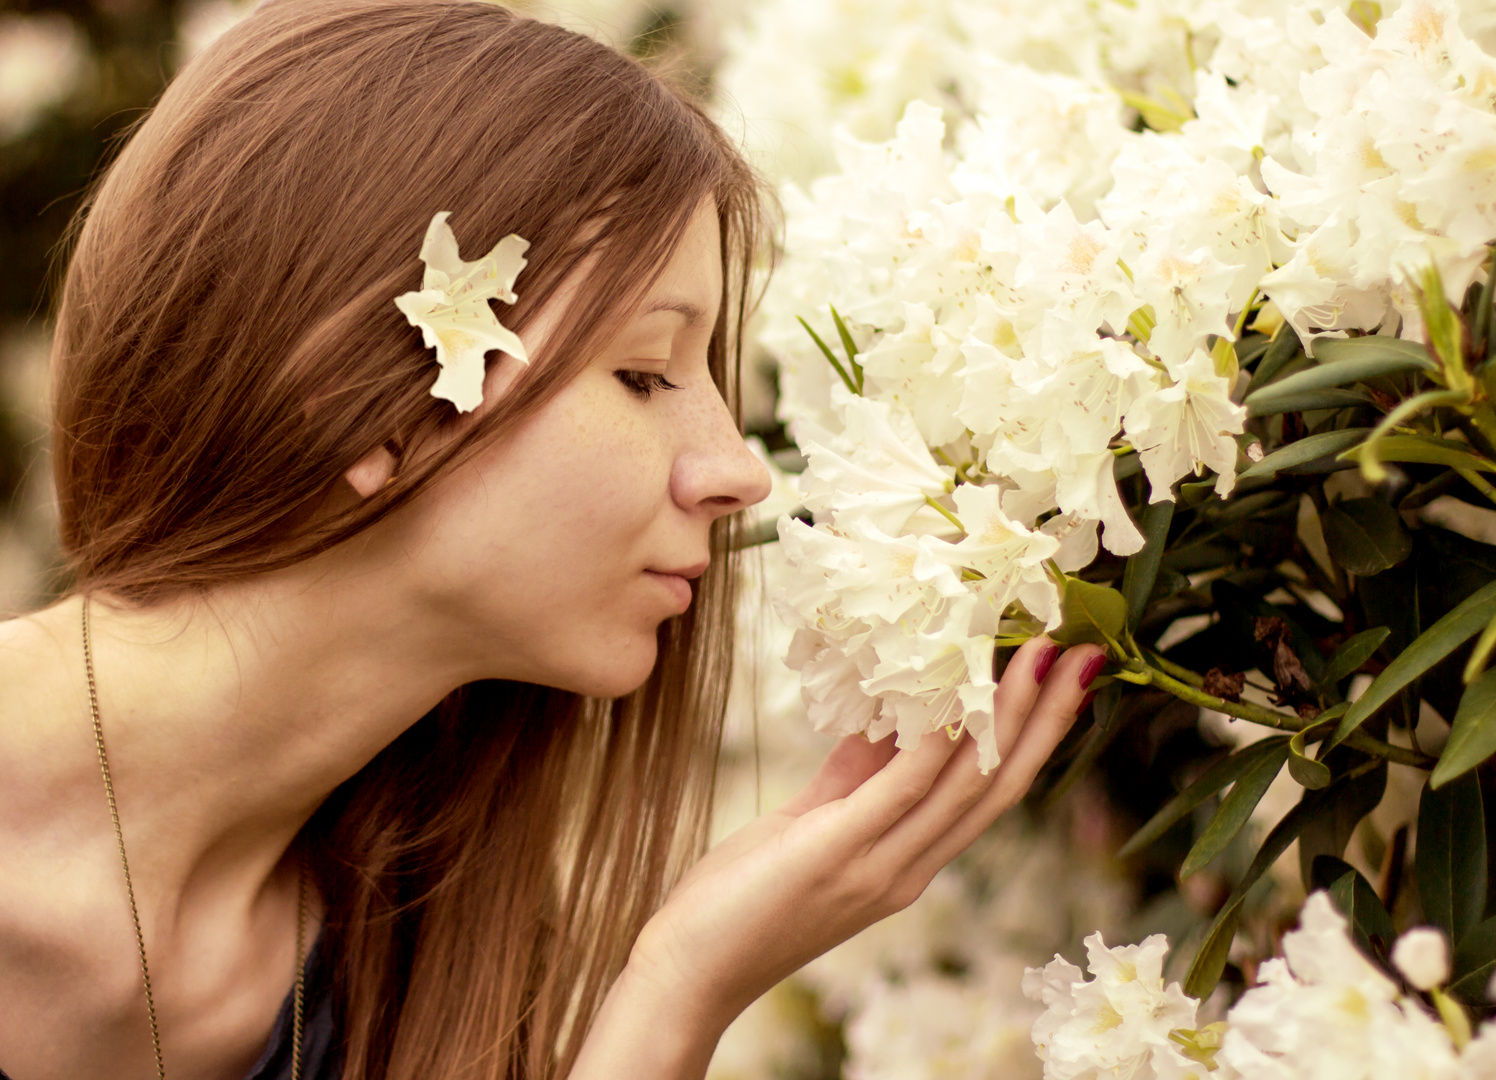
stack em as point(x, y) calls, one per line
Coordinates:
point(861, 841)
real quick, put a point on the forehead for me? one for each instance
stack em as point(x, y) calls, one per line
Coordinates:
point(690, 282)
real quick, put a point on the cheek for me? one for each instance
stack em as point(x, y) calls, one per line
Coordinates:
point(568, 497)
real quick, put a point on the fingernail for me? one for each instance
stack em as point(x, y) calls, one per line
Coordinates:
point(1047, 656)
point(1086, 701)
point(1091, 670)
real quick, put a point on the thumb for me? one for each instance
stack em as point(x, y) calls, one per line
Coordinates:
point(851, 762)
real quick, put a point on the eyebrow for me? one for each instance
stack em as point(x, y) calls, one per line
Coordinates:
point(690, 311)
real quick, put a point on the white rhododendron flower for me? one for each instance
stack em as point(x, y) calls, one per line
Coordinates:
point(1422, 955)
point(452, 309)
point(1116, 1023)
point(930, 1028)
point(1324, 1010)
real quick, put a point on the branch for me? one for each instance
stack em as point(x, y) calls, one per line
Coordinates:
point(1257, 714)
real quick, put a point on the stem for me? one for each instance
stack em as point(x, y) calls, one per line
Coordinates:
point(1245, 710)
point(1478, 482)
point(1483, 309)
point(1241, 320)
point(1371, 468)
point(961, 473)
point(1182, 673)
point(1484, 421)
point(952, 518)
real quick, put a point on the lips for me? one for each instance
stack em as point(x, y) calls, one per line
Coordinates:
point(676, 585)
point(695, 570)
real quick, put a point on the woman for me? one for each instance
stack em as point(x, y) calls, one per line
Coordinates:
point(437, 690)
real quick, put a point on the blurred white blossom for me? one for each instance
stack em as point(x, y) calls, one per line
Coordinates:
point(42, 60)
point(1325, 1011)
point(1117, 1023)
point(1322, 1011)
point(1422, 955)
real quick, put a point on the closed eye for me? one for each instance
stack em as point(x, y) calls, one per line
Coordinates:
point(644, 383)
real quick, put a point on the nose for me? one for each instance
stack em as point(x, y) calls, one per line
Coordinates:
point(715, 472)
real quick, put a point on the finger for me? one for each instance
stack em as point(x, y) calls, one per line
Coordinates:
point(888, 794)
point(1051, 717)
point(1019, 689)
point(961, 786)
point(847, 766)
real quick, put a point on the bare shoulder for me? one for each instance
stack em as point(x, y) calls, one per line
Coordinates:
point(46, 745)
point(40, 692)
point(52, 883)
point(46, 765)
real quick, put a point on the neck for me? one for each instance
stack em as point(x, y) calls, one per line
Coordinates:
point(229, 717)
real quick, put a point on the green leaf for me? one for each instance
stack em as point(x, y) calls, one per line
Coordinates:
point(1366, 536)
point(1330, 351)
point(1331, 830)
point(849, 345)
point(1443, 328)
point(1210, 961)
point(1369, 453)
point(1473, 963)
point(1226, 771)
point(1428, 450)
point(1090, 613)
point(1364, 364)
point(1307, 453)
point(1450, 858)
point(1215, 950)
point(1431, 646)
point(1481, 654)
point(1249, 506)
point(1355, 652)
point(1472, 739)
point(1281, 351)
point(1353, 895)
point(829, 355)
point(1303, 768)
point(1303, 401)
point(1142, 566)
point(1234, 810)
point(1250, 348)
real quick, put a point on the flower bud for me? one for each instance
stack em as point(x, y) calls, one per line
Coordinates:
point(1423, 957)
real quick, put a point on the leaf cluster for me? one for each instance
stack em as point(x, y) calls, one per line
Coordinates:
point(1321, 601)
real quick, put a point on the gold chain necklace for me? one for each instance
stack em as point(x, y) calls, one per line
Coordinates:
point(119, 836)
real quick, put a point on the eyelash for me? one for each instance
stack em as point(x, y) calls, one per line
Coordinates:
point(644, 383)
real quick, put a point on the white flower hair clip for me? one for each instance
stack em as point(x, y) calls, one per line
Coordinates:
point(453, 312)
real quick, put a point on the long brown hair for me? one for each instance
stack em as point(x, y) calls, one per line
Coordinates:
point(227, 347)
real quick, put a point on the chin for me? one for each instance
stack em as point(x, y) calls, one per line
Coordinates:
point(614, 675)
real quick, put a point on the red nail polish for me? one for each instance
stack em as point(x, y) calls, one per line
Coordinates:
point(1091, 670)
point(1047, 656)
point(1086, 701)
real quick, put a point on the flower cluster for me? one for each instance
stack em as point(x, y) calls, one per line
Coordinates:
point(933, 991)
point(1323, 1010)
point(1027, 305)
point(797, 70)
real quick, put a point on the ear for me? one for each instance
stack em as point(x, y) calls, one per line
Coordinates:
point(372, 472)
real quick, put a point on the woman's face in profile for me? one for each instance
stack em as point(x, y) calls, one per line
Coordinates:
point(556, 553)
